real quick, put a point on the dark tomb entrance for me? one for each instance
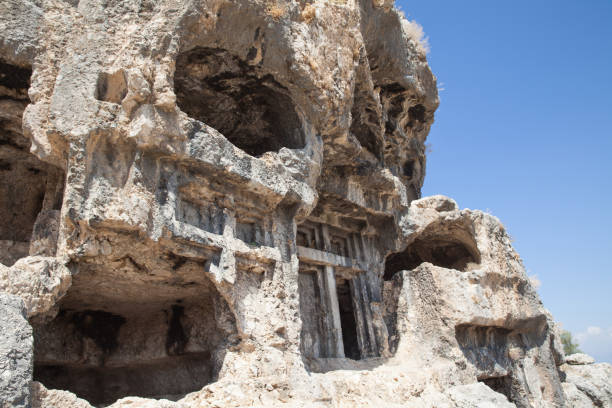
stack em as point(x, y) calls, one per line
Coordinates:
point(347, 320)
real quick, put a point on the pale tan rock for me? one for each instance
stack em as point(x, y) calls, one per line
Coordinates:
point(221, 204)
point(15, 353)
point(579, 359)
point(575, 397)
point(477, 396)
point(589, 382)
point(40, 281)
point(44, 398)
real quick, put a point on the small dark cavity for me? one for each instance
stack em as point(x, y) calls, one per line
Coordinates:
point(417, 113)
point(393, 88)
point(14, 77)
point(252, 54)
point(409, 169)
point(195, 127)
point(135, 264)
point(444, 252)
point(176, 339)
point(100, 326)
point(111, 87)
point(348, 322)
point(502, 385)
point(177, 261)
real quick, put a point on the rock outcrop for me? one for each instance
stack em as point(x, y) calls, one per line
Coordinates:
point(217, 203)
point(585, 383)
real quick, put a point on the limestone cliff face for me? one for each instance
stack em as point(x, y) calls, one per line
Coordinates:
point(217, 203)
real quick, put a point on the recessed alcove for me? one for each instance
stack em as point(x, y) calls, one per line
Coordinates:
point(329, 318)
point(408, 169)
point(30, 189)
point(347, 319)
point(452, 251)
point(502, 385)
point(248, 106)
point(487, 349)
point(137, 325)
point(337, 324)
point(111, 87)
point(416, 113)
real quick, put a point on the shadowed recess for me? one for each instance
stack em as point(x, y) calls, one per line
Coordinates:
point(250, 108)
point(30, 190)
point(347, 320)
point(111, 87)
point(138, 325)
point(14, 77)
point(487, 348)
point(444, 251)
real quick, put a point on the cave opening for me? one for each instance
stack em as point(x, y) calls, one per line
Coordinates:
point(417, 113)
point(249, 107)
point(135, 326)
point(502, 385)
point(409, 169)
point(487, 349)
point(30, 190)
point(347, 320)
point(446, 252)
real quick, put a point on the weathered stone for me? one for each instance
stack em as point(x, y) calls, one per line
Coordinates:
point(40, 281)
point(44, 398)
point(15, 353)
point(19, 27)
point(477, 396)
point(593, 381)
point(576, 398)
point(579, 359)
point(217, 204)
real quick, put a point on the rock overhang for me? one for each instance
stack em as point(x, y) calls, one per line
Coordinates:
point(235, 177)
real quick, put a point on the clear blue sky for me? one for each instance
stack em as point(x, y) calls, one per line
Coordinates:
point(524, 131)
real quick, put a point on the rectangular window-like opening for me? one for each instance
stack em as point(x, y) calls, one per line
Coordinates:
point(347, 320)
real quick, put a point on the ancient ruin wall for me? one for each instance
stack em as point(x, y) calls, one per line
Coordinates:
point(218, 204)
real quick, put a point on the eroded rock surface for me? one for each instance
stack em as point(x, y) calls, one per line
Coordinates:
point(15, 353)
point(586, 383)
point(217, 203)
